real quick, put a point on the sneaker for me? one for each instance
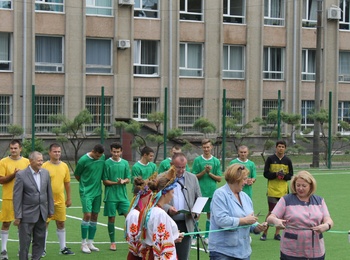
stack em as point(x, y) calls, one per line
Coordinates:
point(206, 241)
point(4, 255)
point(85, 249)
point(193, 241)
point(66, 251)
point(113, 247)
point(92, 247)
point(277, 237)
point(263, 237)
point(43, 254)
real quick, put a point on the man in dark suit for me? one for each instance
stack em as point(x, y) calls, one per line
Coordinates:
point(33, 204)
point(185, 193)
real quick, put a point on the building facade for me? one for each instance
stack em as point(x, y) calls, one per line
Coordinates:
point(139, 50)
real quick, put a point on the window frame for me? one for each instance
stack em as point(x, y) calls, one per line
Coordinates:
point(6, 113)
point(3, 2)
point(269, 20)
point(9, 53)
point(232, 18)
point(233, 106)
point(49, 6)
point(141, 12)
point(138, 57)
point(307, 14)
point(306, 74)
point(195, 109)
point(273, 73)
point(307, 107)
point(93, 104)
point(269, 105)
point(186, 67)
point(96, 7)
point(141, 104)
point(344, 22)
point(342, 117)
point(89, 67)
point(59, 66)
point(230, 56)
point(186, 15)
point(344, 77)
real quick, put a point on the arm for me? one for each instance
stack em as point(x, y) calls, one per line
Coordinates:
point(17, 199)
point(289, 176)
point(8, 178)
point(50, 203)
point(68, 200)
point(267, 174)
point(278, 223)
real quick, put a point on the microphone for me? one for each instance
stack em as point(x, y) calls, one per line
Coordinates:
point(182, 186)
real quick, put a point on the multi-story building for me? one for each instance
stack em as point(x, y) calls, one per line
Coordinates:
point(195, 49)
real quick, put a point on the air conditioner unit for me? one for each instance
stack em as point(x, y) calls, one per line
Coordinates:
point(126, 2)
point(334, 13)
point(123, 44)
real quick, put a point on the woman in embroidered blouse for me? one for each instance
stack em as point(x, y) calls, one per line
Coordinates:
point(161, 231)
point(304, 217)
point(232, 208)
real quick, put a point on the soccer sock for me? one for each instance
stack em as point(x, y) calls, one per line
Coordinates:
point(111, 231)
point(46, 233)
point(207, 227)
point(4, 238)
point(61, 234)
point(92, 230)
point(84, 229)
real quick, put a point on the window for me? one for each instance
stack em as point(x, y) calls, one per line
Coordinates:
point(273, 63)
point(93, 105)
point(99, 7)
point(98, 56)
point(191, 64)
point(5, 4)
point(234, 11)
point(309, 13)
point(235, 109)
point(343, 113)
point(233, 60)
point(190, 109)
point(267, 107)
point(274, 12)
point(307, 108)
point(5, 113)
point(344, 22)
point(308, 64)
point(146, 8)
point(146, 61)
point(45, 107)
point(142, 106)
point(49, 54)
point(5, 51)
point(49, 5)
point(344, 66)
point(191, 10)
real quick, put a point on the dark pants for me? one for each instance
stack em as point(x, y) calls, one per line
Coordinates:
point(287, 257)
point(217, 256)
point(183, 248)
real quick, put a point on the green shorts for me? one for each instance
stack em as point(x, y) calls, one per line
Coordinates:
point(91, 204)
point(111, 208)
point(207, 206)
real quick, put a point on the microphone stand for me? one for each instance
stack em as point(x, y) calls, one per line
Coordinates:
point(198, 236)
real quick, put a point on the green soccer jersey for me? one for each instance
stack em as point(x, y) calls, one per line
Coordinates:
point(165, 165)
point(145, 171)
point(252, 174)
point(90, 172)
point(206, 183)
point(113, 171)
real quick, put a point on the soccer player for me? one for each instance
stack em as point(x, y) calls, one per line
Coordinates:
point(60, 182)
point(144, 167)
point(116, 175)
point(208, 171)
point(89, 174)
point(9, 166)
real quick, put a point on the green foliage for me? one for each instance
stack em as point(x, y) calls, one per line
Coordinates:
point(39, 146)
point(15, 130)
point(204, 125)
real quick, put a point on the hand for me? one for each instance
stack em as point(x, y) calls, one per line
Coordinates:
point(123, 181)
point(179, 239)
point(248, 220)
point(17, 222)
point(68, 203)
point(321, 228)
point(260, 227)
point(280, 223)
point(280, 175)
point(172, 211)
point(208, 168)
point(49, 215)
point(250, 181)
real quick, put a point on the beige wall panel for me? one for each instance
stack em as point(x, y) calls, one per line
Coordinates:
point(234, 89)
point(95, 82)
point(191, 88)
point(344, 40)
point(6, 80)
point(270, 89)
point(8, 17)
point(147, 87)
point(147, 29)
point(308, 38)
point(191, 32)
point(274, 36)
point(307, 90)
point(343, 92)
point(52, 84)
point(99, 26)
point(49, 24)
point(235, 34)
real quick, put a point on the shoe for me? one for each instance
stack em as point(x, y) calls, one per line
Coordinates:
point(43, 254)
point(277, 237)
point(85, 249)
point(263, 237)
point(193, 241)
point(66, 251)
point(92, 247)
point(4, 255)
point(113, 247)
point(206, 241)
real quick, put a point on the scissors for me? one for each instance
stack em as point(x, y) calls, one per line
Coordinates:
point(259, 214)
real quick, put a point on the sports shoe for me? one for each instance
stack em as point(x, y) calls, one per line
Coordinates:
point(43, 254)
point(4, 255)
point(92, 247)
point(66, 251)
point(263, 237)
point(113, 247)
point(206, 240)
point(85, 249)
point(193, 241)
point(277, 237)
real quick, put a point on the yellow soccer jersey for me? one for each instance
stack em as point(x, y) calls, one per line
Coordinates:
point(59, 174)
point(7, 167)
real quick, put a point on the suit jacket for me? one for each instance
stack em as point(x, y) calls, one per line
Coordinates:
point(28, 202)
point(192, 192)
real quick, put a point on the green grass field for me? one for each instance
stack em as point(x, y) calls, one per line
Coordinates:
point(332, 185)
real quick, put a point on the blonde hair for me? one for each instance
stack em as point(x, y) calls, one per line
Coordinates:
point(306, 176)
point(235, 173)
